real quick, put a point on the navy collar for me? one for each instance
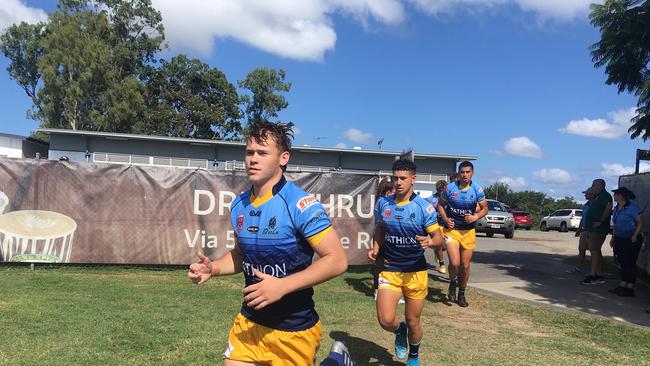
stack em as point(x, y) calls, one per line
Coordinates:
point(276, 188)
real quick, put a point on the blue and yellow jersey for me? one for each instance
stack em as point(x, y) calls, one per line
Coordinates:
point(433, 200)
point(276, 234)
point(461, 202)
point(401, 222)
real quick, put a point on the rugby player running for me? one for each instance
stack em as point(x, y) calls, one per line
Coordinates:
point(278, 227)
point(457, 207)
point(405, 225)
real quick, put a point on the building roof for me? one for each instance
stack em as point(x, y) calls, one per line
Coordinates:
point(313, 149)
point(12, 136)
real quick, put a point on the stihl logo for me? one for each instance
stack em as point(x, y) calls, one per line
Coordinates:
point(306, 202)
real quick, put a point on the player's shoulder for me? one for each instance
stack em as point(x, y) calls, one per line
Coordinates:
point(296, 197)
point(477, 187)
point(242, 197)
point(424, 204)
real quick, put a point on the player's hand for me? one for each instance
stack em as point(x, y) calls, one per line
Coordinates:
point(200, 271)
point(372, 254)
point(577, 234)
point(450, 223)
point(269, 290)
point(471, 218)
point(425, 241)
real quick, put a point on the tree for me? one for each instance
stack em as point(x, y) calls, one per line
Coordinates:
point(624, 51)
point(188, 98)
point(264, 84)
point(82, 68)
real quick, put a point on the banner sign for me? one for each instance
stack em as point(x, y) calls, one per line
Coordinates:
point(128, 214)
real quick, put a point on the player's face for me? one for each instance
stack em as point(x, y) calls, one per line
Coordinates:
point(404, 181)
point(466, 173)
point(264, 161)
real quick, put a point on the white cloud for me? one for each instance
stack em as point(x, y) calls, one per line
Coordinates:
point(553, 176)
point(514, 182)
point(14, 11)
point(556, 9)
point(602, 128)
point(521, 146)
point(301, 30)
point(296, 131)
point(357, 136)
point(616, 169)
point(341, 145)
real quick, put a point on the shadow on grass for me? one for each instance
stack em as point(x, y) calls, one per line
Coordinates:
point(364, 286)
point(365, 352)
point(543, 275)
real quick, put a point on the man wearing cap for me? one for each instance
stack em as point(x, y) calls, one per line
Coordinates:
point(596, 225)
point(583, 244)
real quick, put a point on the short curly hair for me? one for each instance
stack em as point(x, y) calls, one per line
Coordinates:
point(260, 131)
point(404, 165)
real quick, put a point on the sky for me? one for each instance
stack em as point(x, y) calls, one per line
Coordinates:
point(508, 81)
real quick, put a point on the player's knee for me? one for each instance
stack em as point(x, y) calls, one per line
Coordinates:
point(466, 267)
point(412, 321)
point(387, 321)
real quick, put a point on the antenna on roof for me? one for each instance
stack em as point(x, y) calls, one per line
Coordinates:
point(316, 139)
point(380, 142)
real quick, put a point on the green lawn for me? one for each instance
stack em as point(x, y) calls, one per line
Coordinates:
point(142, 317)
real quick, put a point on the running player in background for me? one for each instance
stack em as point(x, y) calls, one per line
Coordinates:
point(405, 225)
point(457, 207)
point(278, 227)
point(441, 186)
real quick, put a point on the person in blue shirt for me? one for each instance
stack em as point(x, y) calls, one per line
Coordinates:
point(459, 207)
point(405, 225)
point(626, 238)
point(278, 227)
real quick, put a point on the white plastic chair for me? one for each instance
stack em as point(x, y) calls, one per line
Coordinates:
point(4, 201)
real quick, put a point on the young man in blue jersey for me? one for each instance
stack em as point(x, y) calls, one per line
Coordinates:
point(405, 225)
point(278, 227)
point(441, 186)
point(457, 207)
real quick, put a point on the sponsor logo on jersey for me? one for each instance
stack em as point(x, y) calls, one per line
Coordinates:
point(430, 209)
point(240, 222)
point(306, 202)
point(253, 229)
point(271, 229)
point(387, 213)
point(455, 195)
point(255, 213)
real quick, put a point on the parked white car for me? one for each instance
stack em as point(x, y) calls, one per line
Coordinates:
point(562, 220)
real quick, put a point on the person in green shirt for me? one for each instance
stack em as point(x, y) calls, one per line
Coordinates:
point(596, 225)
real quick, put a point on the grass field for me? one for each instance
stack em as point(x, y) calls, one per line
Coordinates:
point(141, 317)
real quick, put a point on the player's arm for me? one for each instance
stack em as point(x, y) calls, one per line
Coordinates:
point(442, 214)
point(483, 210)
point(331, 263)
point(377, 242)
point(202, 270)
point(640, 224)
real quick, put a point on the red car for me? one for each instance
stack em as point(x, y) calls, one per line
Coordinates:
point(522, 220)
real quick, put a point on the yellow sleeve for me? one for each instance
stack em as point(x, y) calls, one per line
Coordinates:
point(432, 228)
point(317, 238)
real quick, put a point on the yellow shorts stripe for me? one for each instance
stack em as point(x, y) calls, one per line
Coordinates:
point(466, 238)
point(254, 343)
point(414, 285)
